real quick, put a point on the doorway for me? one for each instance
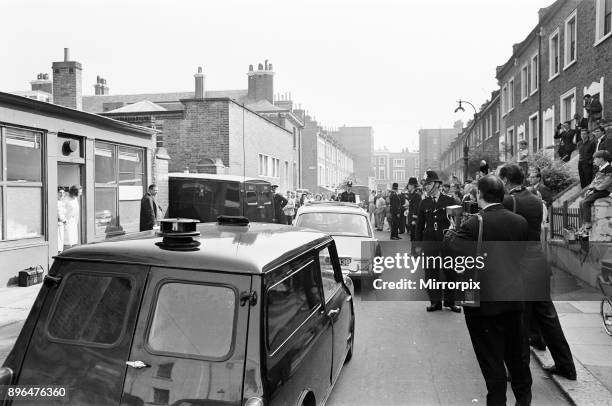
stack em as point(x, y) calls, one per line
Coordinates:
point(69, 174)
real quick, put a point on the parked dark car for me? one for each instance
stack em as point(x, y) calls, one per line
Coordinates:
point(220, 314)
point(205, 197)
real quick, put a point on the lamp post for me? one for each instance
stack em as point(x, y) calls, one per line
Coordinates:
point(466, 147)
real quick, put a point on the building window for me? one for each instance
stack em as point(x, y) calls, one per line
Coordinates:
point(510, 142)
point(511, 95)
point(535, 74)
point(534, 132)
point(399, 176)
point(568, 105)
point(381, 173)
point(524, 83)
point(399, 162)
point(21, 184)
point(603, 20)
point(504, 99)
point(120, 184)
point(570, 40)
point(553, 52)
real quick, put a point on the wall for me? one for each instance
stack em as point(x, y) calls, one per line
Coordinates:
point(260, 137)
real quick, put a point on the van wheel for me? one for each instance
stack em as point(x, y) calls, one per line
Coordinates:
point(349, 355)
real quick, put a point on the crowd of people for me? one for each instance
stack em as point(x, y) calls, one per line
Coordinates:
point(507, 208)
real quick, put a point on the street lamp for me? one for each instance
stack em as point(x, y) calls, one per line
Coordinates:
point(466, 148)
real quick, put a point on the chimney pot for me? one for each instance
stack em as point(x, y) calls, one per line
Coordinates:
point(199, 69)
point(66, 54)
point(270, 66)
point(260, 67)
point(250, 67)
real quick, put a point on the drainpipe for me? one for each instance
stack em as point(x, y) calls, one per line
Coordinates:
point(540, 117)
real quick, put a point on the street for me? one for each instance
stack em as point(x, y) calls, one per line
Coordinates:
point(406, 356)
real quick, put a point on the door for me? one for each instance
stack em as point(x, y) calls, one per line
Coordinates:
point(190, 340)
point(338, 305)
point(69, 174)
point(84, 331)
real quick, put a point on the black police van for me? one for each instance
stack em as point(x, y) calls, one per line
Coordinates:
point(206, 196)
point(209, 314)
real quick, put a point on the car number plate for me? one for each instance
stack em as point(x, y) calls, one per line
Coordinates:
point(345, 261)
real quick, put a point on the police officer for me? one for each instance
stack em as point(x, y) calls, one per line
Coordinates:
point(395, 205)
point(430, 226)
point(348, 195)
point(402, 218)
point(413, 202)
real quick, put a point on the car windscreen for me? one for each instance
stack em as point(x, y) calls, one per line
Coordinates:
point(348, 224)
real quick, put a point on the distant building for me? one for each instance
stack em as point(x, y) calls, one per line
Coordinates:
point(359, 142)
point(327, 164)
point(390, 167)
point(432, 142)
point(482, 137)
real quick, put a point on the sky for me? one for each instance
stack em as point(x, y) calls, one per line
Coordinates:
point(398, 66)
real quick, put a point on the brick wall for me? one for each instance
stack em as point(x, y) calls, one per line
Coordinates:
point(309, 154)
point(202, 134)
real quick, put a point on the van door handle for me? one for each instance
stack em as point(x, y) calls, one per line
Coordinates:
point(137, 364)
point(333, 311)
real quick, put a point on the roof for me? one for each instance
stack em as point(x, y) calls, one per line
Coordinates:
point(139, 107)
point(253, 249)
point(264, 106)
point(231, 178)
point(66, 112)
point(95, 104)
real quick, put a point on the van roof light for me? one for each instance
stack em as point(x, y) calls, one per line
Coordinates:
point(179, 235)
point(232, 221)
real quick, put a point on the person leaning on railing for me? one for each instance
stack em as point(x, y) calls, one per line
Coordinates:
point(601, 186)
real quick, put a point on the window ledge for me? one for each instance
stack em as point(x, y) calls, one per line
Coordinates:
point(556, 75)
point(9, 245)
point(602, 39)
point(523, 100)
point(533, 92)
point(569, 64)
point(510, 111)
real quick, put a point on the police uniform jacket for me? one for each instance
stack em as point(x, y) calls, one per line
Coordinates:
point(347, 197)
point(431, 218)
point(414, 200)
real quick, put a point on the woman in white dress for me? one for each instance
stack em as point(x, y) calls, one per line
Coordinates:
point(71, 227)
point(61, 218)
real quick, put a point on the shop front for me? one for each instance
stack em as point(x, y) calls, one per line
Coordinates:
point(67, 177)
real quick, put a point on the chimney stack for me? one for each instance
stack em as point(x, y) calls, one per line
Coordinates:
point(42, 83)
point(199, 84)
point(261, 83)
point(67, 89)
point(100, 88)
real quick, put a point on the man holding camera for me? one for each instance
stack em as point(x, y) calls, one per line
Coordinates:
point(430, 226)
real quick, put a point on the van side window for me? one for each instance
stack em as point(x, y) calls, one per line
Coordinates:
point(251, 197)
point(91, 308)
point(192, 319)
point(290, 302)
point(330, 284)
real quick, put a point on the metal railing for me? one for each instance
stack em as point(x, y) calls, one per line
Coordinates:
point(564, 218)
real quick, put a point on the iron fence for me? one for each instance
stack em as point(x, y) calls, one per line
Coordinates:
point(564, 218)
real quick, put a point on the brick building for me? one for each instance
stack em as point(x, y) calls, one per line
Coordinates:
point(432, 142)
point(482, 137)
point(564, 57)
point(235, 132)
point(326, 162)
point(359, 142)
point(392, 167)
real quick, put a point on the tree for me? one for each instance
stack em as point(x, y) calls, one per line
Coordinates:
point(555, 173)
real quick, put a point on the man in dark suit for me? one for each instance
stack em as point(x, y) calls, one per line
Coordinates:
point(541, 318)
point(603, 141)
point(395, 206)
point(496, 327)
point(535, 181)
point(150, 210)
point(586, 149)
point(413, 202)
point(348, 195)
point(402, 218)
point(279, 203)
point(430, 226)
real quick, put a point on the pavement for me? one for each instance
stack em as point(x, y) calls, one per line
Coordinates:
point(577, 305)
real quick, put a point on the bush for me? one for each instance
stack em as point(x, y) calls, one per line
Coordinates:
point(555, 173)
